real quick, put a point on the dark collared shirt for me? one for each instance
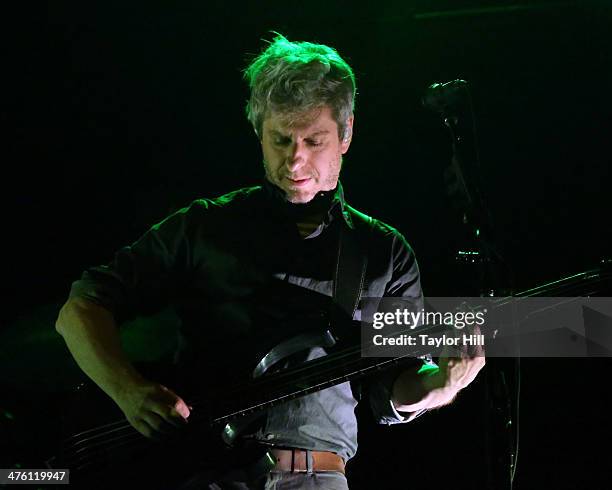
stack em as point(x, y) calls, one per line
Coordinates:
point(242, 279)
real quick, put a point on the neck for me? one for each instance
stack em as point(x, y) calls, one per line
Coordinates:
point(315, 209)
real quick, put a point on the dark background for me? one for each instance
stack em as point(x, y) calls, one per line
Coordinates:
point(118, 114)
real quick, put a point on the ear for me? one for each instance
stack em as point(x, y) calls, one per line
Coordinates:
point(348, 135)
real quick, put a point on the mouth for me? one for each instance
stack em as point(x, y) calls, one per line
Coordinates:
point(298, 182)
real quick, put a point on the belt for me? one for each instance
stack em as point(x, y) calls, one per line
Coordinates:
point(296, 460)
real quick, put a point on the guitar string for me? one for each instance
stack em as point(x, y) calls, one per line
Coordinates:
point(110, 426)
point(87, 458)
point(97, 442)
point(103, 443)
point(83, 447)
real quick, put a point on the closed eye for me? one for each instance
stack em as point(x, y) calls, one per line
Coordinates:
point(282, 141)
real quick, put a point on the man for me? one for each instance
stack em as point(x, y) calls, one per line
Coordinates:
point(227, 263)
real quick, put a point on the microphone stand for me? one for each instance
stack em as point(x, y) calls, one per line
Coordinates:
point(486, 269)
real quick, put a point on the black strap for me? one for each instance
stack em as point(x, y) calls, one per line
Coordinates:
point(351, 263)
point(349, 277)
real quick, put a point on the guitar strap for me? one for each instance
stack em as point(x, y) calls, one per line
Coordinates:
point(351, 263)
point(351, 266)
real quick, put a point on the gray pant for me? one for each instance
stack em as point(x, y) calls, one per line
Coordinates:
point(285, 480)
point(275, 480)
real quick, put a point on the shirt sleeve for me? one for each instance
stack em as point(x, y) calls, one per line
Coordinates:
point(142, 278)
point(404, 284)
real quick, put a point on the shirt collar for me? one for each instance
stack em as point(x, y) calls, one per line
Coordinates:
point(337, 207)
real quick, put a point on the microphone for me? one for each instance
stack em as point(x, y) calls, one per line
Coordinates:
point(440, 96)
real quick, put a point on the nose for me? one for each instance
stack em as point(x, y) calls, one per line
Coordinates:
point(297, 155)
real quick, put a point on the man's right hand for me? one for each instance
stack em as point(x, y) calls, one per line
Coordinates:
point(152, 409)
point(92, 337)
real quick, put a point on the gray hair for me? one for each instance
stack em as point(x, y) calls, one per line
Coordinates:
point(294, 78)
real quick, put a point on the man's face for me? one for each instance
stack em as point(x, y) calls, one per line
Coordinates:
point(303, 158)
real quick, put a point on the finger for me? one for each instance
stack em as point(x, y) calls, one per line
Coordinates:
point(145, 429)
point(169, 416)
point(177, 404)
point(473, 367)
point(181, 408)
point(175, 419)
point(158, 424)
point(178, 419)
point(456, 371)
